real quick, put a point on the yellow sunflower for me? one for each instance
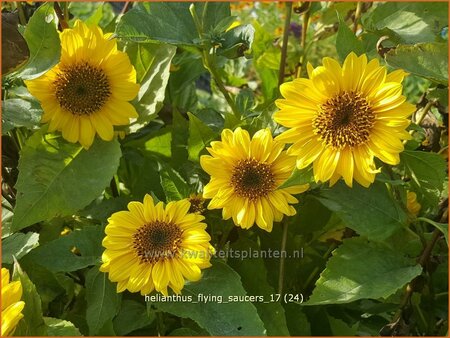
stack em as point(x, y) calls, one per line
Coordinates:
point(12, 306)
point(246, 176)
point(342, 117)
point(151, 247)
point(88, 91)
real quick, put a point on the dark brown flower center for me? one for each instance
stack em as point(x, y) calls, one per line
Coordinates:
point(252, 179)
point(157, 241)
point(344, 120)
point(82, 89)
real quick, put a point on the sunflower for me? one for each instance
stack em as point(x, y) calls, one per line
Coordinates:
point(246, 176)
point(342, 117)
point(151, 247)
point(12, 306)
point(88, 91)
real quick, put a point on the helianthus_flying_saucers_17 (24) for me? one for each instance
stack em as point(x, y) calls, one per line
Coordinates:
point(153, 247)
point(87, 92)
point(341, 118)
point(246, 175)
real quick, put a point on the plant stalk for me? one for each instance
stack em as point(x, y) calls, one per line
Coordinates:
point(282, 256)
point(284, 47)
point(357, 16)
point(305, 25)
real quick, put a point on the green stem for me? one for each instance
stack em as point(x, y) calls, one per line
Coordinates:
point(424, 112)
point(284, 47)
point(208, 62)
point(60, 15)
point(285, 226)
point(205, 9)
point(357, 16)
point(160, 327)
point(422, 115)
point(66, 10)
point(196, 20)
point(443, 150)
point(114, 185)
point(22, 18)
point(305, 25)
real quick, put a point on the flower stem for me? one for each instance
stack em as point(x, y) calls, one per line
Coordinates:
point(424, 112)
point(59, 13)
point(422, 115)
point(22, 18)
point(426, 253)
point(287, 23)
point(282, 256)
point(305, 25)
point(357, 16)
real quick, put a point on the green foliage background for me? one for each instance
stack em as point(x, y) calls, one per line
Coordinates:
point(361, 247)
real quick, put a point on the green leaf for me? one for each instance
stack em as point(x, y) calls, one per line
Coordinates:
point(442, 227)
point(57, 178)
point(20, 113)
point(371, 212)
point(184, 332)
point(174, 186)
point(429, 60)
point(86, 241)
point(341, 328)
point(103, 302)
point(199, 137)
point(272, 314)
point(59, 327)
point(95, 18)
point(101, 209)
point(407, 22)
point(132, 316)
point(152, 62)
point(140, 174)
point(32, 323)
point(299, 177)
point(219, 319)
point(43, 41)
point(214, 14)
point(428, 173)
point(245, 101)
point(169, 22)
point(296, 319)
point(361, 269)
point(18, 245)
point(236, 41)
point(347, 42)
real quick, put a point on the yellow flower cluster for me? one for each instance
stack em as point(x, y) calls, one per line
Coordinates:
point(338, 120)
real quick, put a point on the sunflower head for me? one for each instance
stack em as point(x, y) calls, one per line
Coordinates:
point(342, 117)
point(12, 306)
point(246, 175)
point(87, 92)
point(155, 247)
